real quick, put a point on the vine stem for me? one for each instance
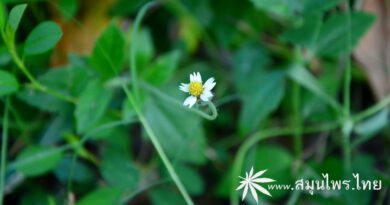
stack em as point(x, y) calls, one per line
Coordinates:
point(135, 103)
point(262, 135)
point(4, 150)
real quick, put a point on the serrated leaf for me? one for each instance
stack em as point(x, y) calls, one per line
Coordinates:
point(333, 38)
point(8, 83)
point(179, 132)
point(91, 106)
point(304, 34)
point(109, 52)
point(42, 38)
point(265, 98)
point(162, 69)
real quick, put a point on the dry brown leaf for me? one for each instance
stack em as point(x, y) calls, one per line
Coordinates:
point(80, 34)
point(373, 51)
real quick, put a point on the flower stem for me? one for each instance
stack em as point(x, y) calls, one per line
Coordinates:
point(4, 150)
point(133, 47)
point(134, 100)
point(159, 148)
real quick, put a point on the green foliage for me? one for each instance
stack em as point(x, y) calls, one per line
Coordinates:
point(108, 54)
point(8, 83)
point(68, 8)
point(14, 18)
point(333, 38)
point(102, 196)
point(42, 38)
point(180, 133)
point(38, 160)
point(91, 125)
point(93, 102)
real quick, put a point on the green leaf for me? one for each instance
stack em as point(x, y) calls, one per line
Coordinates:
point(260, 91)
point(82, 173)
point(42, 38)
point(68, 8)
point(304, 34)
point(8, 83)
point(91, 106)
point(109, 52)
point(311, 6)
point(15, 16)
point(300, 75)
point(263, 99)
point(370, 127)
point(69, 80)
point(162, 69)
point(145, 49)
point(333, 38)
point(120, 172)
point(191, 179)
point(102, 196)
point(264, 158)
point(42, 101)
point(165, 196)
point(38, 160)
point(281, 8)
point(178, 131)
point(2, 15)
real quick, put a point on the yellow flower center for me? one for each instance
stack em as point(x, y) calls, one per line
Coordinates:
point(196, 88)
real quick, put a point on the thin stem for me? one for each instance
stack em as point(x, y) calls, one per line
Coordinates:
point(4, 150)
point(347, 123)
point(133, 48)
point(159, 148)
point(297, 121)
point(262, 135)
point(371, 110)
point(135, 100)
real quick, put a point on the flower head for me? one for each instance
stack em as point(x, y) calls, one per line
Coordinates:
point(250, 181)
point(197, 90)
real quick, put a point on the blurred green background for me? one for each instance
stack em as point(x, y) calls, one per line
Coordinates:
point(302, 89)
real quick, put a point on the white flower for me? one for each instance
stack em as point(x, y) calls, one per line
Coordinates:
point(250, 181)
point(197, 90)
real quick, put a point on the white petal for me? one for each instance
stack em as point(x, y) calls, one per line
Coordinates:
point(253, 192)
point(258, 174)
point(261, 189)
point(251, 172)
point(245, 192)
point(209, 84)
point(199, 77)
point(190, 101)
point(206, 96)
point(192, 77)
point(263, 180)
point(184, 87)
